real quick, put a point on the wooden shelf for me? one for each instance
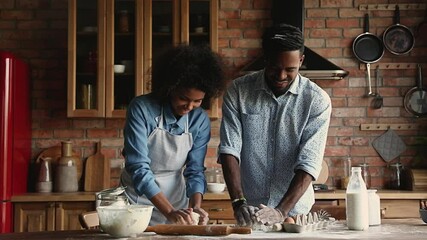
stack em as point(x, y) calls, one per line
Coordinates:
point(390, 65)
point(394, 126)
point(392, 7)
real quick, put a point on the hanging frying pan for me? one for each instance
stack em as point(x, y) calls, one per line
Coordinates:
point(415, 101)
point(397, 38)
point(368, 48)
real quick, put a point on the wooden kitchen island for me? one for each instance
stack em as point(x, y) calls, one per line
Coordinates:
point(402, 229)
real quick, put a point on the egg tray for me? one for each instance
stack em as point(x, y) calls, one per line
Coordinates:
point(303, 223)
point(310, 222)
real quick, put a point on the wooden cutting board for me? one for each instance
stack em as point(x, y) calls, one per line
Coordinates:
point(324, 174)
point(97, 171)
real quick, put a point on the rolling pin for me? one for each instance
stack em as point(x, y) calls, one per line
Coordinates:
point(203, 230)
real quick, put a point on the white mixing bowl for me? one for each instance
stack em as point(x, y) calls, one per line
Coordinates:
point(124, 221)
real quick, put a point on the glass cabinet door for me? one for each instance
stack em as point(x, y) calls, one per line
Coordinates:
point(199, 24)
point(162, 23)
point(105, 57)
point(123, 56)
point(85, 59)
point(112, 43)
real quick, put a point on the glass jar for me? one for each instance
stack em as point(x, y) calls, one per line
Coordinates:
point(123, 21)
point(374, 207)
point(366, 175)
point(107, 200)
point(111, 196)
point(347, 173)
point(214, 175)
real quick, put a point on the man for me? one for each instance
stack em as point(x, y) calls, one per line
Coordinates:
point(273, 134)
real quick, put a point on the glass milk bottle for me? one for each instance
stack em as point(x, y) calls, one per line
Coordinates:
point(357, 208)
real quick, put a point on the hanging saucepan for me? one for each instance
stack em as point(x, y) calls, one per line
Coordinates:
point(397, 38)
point(415, 101)
point(368, 48)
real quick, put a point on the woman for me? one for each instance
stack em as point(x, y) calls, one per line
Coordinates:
point(166, 135)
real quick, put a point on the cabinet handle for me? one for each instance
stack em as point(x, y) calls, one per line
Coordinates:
point(217, 209)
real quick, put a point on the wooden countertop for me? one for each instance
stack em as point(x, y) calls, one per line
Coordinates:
point(63, 197)
point(393, 229)
point(319, 195)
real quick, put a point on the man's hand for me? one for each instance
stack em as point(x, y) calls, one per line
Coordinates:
point(268, 216)
point(245, 215)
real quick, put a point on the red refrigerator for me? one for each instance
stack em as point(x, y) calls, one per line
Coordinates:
point(15, 134)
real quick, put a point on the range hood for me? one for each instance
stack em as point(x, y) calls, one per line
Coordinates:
point(314, 66)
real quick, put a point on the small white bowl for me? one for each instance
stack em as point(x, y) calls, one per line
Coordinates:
point(124, 221)
point(119, 68)
point(216, 187)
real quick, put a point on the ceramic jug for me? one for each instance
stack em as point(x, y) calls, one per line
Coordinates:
point(44, 183)
point(66, 171)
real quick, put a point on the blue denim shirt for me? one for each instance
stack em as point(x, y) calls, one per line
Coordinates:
point(142, 118)
point(274, 136)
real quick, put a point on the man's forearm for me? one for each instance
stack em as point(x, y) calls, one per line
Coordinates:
point(231, 171)
point(297, 188)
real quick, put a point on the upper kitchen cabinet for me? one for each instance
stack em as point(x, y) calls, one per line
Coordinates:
point(102, 34)
point(131, 33)
point(173, 22)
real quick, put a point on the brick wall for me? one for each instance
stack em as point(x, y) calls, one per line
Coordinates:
point(36, 30)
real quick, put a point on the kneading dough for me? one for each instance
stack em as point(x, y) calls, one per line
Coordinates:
point(195, 216)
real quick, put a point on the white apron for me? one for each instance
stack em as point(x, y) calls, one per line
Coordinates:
point(168, 154)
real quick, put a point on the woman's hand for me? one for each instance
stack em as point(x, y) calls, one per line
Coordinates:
point(180, 216)
point(204, 216)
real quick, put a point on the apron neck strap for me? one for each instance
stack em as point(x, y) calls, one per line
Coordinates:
point(160, 125)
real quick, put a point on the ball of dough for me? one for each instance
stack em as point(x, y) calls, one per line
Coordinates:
point(195, 216)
